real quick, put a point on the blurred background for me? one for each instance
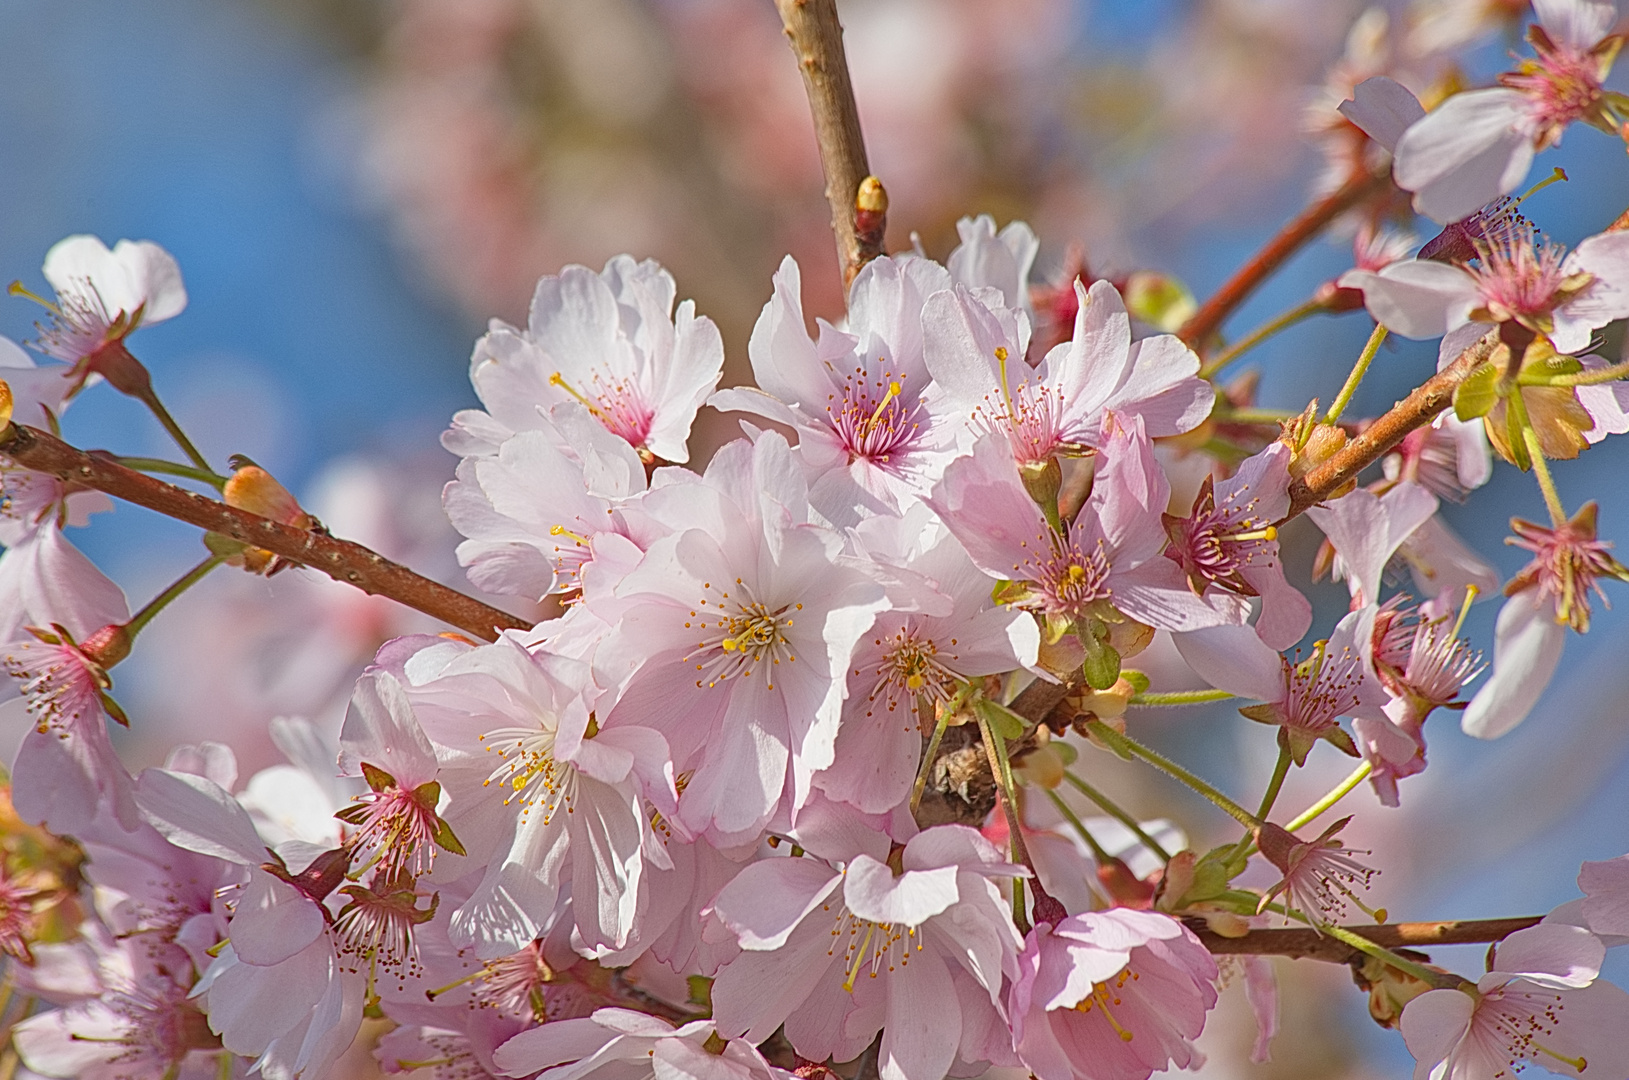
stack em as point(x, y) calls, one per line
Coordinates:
point(353, 187)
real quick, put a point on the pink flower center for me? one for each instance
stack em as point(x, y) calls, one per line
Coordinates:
point(739, 635)
point(1216, 544)
point(1519, 277)
point(1517, 1024)
point(1066, 580)
point(1562, 85)
point(1105, 998)
point(534, 779)
point(909, 665)
point(873, 418)
point(871, 948)
point(59, 684)
point(400, 829)
point(1567, 561)
point(1321, 688)
point(617, 403)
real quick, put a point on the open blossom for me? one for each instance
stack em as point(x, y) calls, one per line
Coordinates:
point(736, 638)
point(1111, 995)
point(1001, 260)
point(611, 341)
point(1517, 278)
point(855, 398)
point(532, 508)
point(1321, 878)
point(1478, 144)
point(944, 630)
point(1547, 596)
point(976, 356)
point(917, 946)
point(1110, 558)
point(102, 297)
point(630, 1045)
point(1227, 542)
point(1305, 698)
point(1540, 1003)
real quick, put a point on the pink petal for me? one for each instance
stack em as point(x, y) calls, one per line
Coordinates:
point(197, 814)
point(1234, 659)
point(1527, 645)
point(1467, 152)
point(873, 892)
point(273, 921)
point(1383, 108)
point(1433, 1025)
point(1606, 900)
point(1551, 953)
point(1415, 298)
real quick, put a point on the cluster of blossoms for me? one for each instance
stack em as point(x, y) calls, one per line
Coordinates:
point(708, 820)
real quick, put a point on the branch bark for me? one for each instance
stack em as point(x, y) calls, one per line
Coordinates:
point(1418, 409)
point(341, 560)
point(1309, 944)
point(1311, 221)
point(816, 38)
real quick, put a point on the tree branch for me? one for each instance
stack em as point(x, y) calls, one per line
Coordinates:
point(817, 41)
point(341, 560)
point(1414, 411)
point(1311, 221)
point(1307, 943)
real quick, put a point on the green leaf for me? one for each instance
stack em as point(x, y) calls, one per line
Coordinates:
point(1102, 664)
point(1139, 681)
point(1515, 440)
point(1478, 394)
point(428, 794)
point(1066, 752)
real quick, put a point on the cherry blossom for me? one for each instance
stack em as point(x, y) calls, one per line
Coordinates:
point(1111, 995)
point(624, 1043)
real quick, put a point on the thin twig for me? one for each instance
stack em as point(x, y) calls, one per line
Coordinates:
point(341, 560)
point(1311, 221)
point(1414, 411)
point(1309, 944)
point(816, 37)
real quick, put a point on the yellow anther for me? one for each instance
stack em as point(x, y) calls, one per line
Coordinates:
point(1471, 592)
point(1269, 533)
point(558, 380)
point(561, 530)
point(17, 288)
point(1077, 573)
point(893, 392)
point(1580, 1063)
point(915, 682)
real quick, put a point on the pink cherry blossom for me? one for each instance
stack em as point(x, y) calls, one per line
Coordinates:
point(102, 297)
point(1227, 543)
point(975, 354)
point(1478, 144)
point(736, 638)
point(1110, 558)
point(1320, 876)
point(1540, 1003)
point(633, 1046)
point(611, 341)
point(1001, 260)
point(1111, 995)
point(916, 946)
point(854, 398)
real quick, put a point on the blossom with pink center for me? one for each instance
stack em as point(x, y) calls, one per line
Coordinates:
point(1305, 698)
point(735, 638)
point(855, 398)
point(102, 297)
point(532, 508)
point(944, 628)
point(1111, 995)
point(136, 1019)
point(1540, 1003)
point(1478, 145)
point(1321, 878)
point(1517, 277)
point(539, 800)
point(611, 341)
point(916, 946)
point(1227, 543)
point(1110, 558)
point(1424, 665)
point(1547, 596)
point(630, 1045)
point(982, 385)
point(396, 822)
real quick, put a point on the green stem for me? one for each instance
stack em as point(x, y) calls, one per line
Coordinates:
point(1359, 369)
point(150, 399)
point(1132, 748)
point(162, 600)
point(1578, 378)
point(928, 757)
point(1280, 771)
point(1252, 415)
point(1178, 697)
point(995, 747)
point(173, 468)
point(1336, 794)
point(1258, 335)
point(1541, 472)
point(1080, 826)
point(1111, 808)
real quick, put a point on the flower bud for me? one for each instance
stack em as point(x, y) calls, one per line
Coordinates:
point(107, 646)
point(1043, 766)
point(254, 489)
point(1389, 989)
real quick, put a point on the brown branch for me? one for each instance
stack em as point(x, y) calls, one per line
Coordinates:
point(1306, 943)
point(817, 41)
point(1414, 411)
point(341, 560)
point(1311, 221)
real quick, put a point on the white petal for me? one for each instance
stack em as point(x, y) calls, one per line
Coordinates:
point(1383, 108)
point(1415, 298)
point(1465, 153)
point(197, 814)
point(1527, 645)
